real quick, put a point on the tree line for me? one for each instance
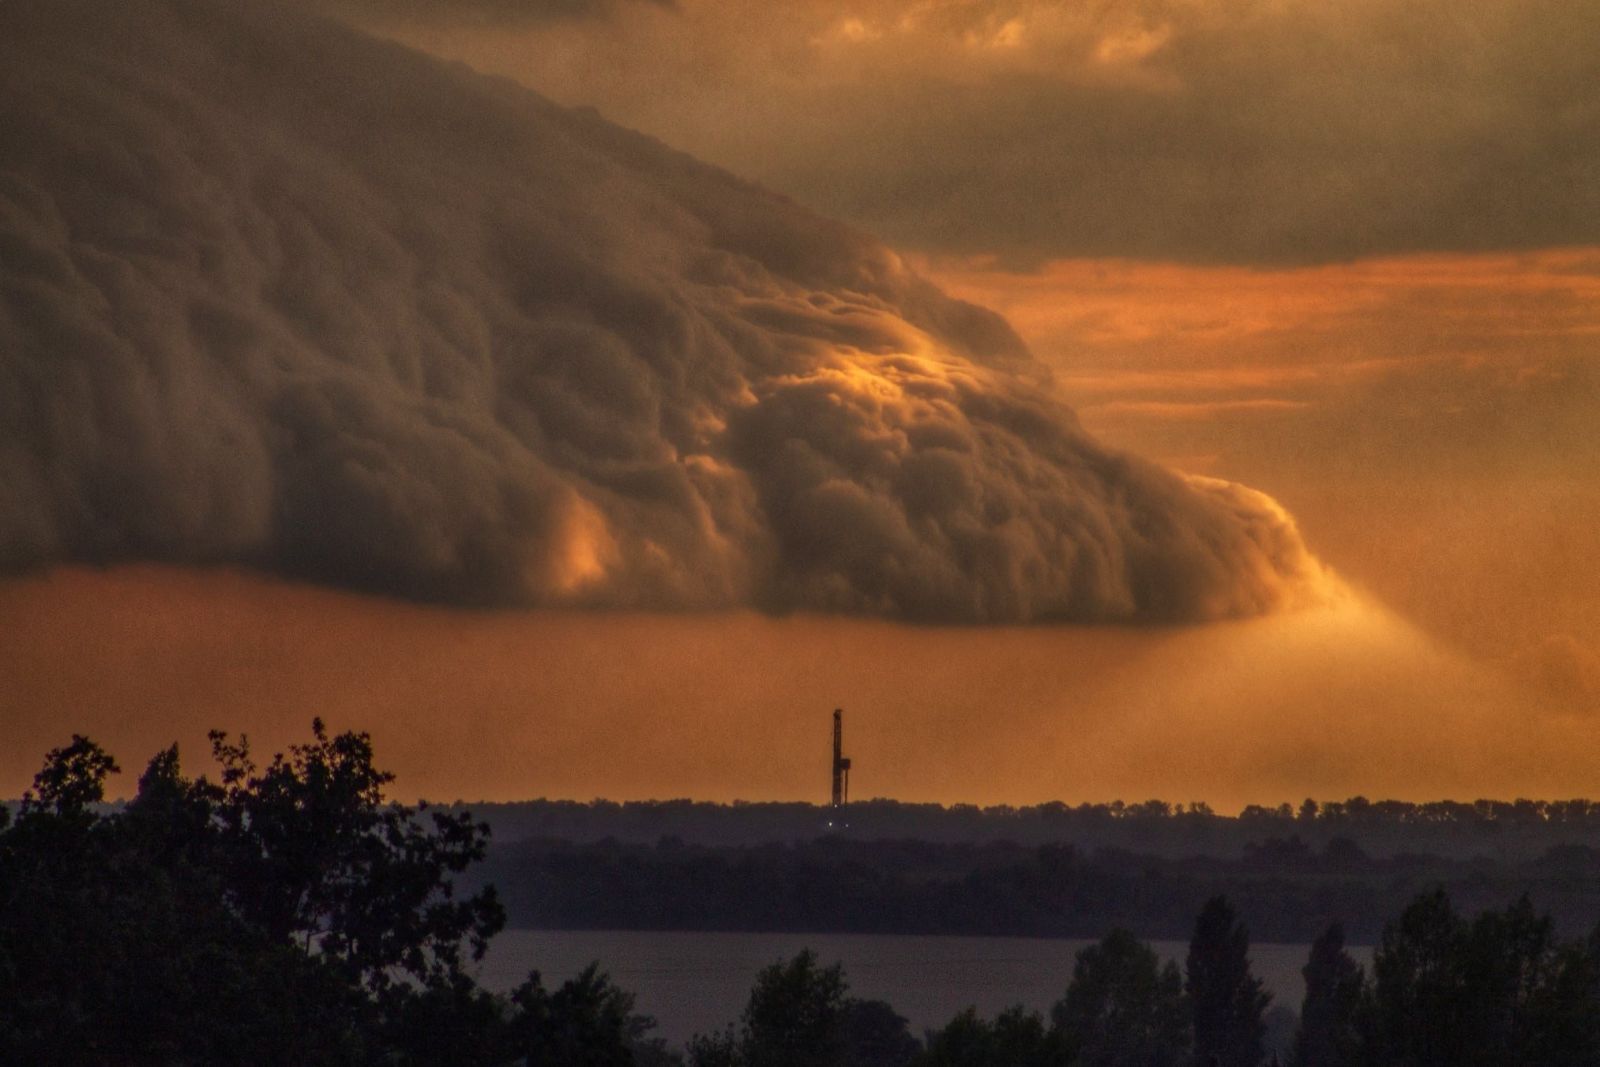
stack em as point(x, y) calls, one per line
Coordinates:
point(1283, 887)
point(286, 913)
point(1516, 829)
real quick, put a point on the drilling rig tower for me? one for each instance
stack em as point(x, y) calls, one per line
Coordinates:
point(841, 764)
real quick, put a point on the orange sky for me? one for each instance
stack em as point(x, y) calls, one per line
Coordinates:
point(1428, 419)
point(1328, 702)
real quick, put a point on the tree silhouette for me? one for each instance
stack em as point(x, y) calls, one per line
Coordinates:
point(1563, 1015)
point(315, 855)
point(1509, 960)
point(1499, 989)
point(1123, 1007)
point(875, 1035)
point(588, 1022)
point(719, 1049)
point(284, 914)
point(1015, 1038)
point(1226, 999)
point(122, 946)
point(796, 1015)
point(1419, 986)
point(1329, 1033)
point(72, 778)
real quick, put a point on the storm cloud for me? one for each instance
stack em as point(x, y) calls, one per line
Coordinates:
point(278, 294)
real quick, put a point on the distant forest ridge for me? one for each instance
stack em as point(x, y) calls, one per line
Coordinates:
point(1518, 829)
point(1284, 890)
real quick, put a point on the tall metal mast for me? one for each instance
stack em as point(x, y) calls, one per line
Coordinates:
point(841, 765)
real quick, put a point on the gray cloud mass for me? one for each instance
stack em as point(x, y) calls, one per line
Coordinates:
point(1239, 131)
point(277, 294)
point(498, 14)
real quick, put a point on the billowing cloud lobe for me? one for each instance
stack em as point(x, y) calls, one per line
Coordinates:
point(279, 294)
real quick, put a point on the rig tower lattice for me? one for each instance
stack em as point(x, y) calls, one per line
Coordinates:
point(841, 764)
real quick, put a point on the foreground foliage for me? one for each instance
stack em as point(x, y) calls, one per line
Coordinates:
point(275, 915)
point(287, 913)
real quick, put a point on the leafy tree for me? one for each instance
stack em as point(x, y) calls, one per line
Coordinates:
point(314, 855)
point(1499, 989)
point(1420, 995)
point(965, 1041)
point(1227, 1001)
point(1563, 1015)
point(1509, 959)
point(875, 1035)
point(1015, 1038)
point(720, 1049)
point(587, 1022)
point(796, 1015)
point(98, 940)
point(1123, 1007)
point(284, 914)
point(71, 780)
point(447, 1022)
point(1329, 1033)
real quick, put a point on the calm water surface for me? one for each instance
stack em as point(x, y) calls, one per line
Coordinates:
point(698, 982)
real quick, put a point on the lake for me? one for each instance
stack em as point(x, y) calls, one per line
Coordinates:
point(698, 982)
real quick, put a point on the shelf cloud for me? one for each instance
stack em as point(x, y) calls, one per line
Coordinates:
point(278, 294)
